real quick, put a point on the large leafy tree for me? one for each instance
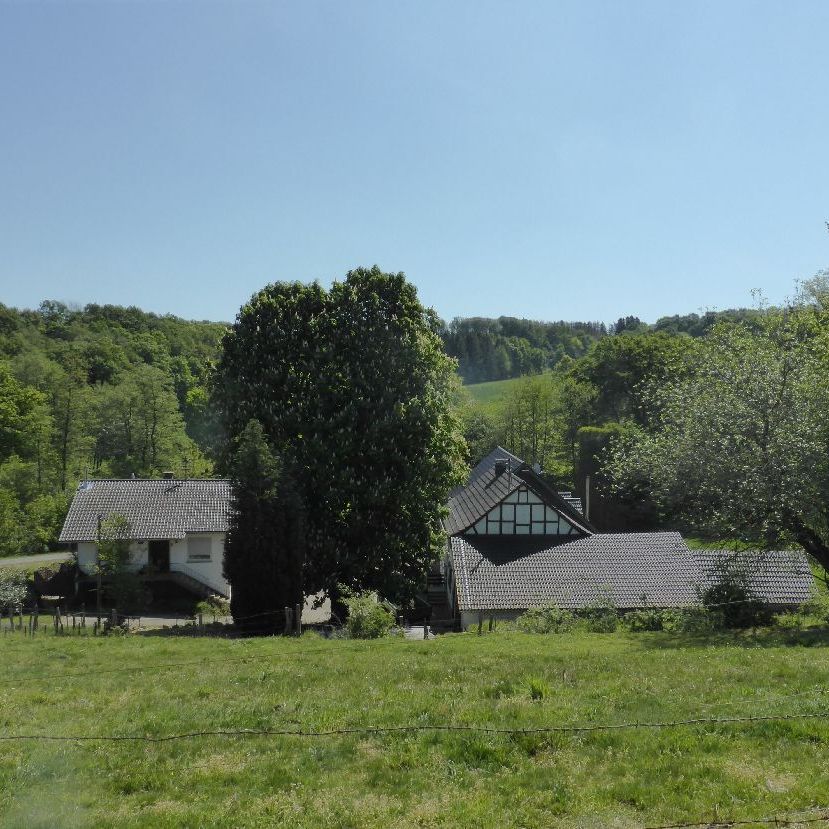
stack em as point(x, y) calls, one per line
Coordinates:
point(353, 387)
point(739, 445)
point(620, 368)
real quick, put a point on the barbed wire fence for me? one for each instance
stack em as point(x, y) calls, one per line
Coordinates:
point(814, 815)
point(802, 818)
point(379, 730)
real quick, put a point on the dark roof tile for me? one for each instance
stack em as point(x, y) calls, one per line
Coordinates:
point(154, 508)
point(631, 569)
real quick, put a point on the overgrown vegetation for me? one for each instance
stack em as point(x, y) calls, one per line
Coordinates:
point(546, 619)
point(213, 608)
point(13, 590)
point(368, 616)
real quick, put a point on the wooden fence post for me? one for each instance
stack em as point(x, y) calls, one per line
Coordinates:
point(298, 619)
point(480, 622)
point(288, 621)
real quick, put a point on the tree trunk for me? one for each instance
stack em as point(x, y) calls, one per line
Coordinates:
point(811, 541)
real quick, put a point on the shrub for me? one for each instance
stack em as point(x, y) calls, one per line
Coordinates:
point(538, 688)
point(646, 619)
point(601, 616)
point(790, 621)
point(818, 606)
point(733, 601)
point(695, 620)
point(13, 590)
point(215, 606)
point(368, 617)
point(549, 618)
point(502, 688)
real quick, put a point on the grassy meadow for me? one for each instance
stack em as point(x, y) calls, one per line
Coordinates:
point(490, 394)
point(154, 685)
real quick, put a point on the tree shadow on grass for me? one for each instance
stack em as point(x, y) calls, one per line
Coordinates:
point(764, 637)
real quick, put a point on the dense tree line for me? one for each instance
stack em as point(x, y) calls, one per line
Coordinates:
point(506, 347)
point(496, 349)
point(99, 391)
point(110, 391)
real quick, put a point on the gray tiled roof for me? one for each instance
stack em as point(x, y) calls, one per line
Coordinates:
point(777, 576)
point(485, 489)
point(514, 574)
point(493, 573)
point(154, 508)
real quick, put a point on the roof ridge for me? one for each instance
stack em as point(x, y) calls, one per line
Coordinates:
point(151, 480)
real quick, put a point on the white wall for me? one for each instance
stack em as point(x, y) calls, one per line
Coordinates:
point(88, 555)
point(208, 571)
point(470, 618)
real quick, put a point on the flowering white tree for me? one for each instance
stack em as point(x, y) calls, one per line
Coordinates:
point(354, 393)
point(13, 590)
point(740, 445)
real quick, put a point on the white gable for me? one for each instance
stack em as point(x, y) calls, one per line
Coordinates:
point(522, 512)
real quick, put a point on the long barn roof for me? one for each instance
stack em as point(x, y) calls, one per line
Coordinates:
point(631, 569)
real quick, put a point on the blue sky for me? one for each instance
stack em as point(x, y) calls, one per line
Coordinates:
point(547, 160)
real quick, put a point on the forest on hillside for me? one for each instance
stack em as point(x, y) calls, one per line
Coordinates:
point(497, 349)
point(109, 391)
point(99, 391)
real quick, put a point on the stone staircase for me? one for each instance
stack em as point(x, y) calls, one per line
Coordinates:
point(191, 582)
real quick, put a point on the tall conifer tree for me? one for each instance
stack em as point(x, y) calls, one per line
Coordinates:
point(265, 546)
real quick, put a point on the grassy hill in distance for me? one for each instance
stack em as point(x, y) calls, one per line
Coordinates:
point(491, 393)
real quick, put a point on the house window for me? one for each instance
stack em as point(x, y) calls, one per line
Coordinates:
point(522, 513)
point(198, 549)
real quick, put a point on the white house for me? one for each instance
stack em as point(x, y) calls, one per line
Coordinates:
point(177, 527)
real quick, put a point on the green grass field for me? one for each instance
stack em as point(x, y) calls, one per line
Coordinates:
point(491, 394)
point(156, 686)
